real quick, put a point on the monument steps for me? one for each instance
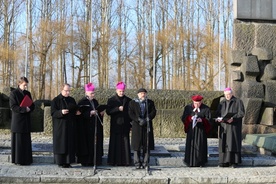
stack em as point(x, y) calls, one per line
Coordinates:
point(167, 155)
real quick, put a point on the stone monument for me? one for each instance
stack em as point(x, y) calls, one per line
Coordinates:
point(253, 63)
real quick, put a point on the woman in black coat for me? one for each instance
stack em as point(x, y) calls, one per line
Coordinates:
point(141, 110)
point(21, 146)
point(85, 127)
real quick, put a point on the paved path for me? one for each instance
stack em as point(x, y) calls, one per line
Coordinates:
point(171, 171)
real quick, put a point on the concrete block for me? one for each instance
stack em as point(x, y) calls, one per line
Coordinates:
point(237, 57)
point(252, 110)
point(269, 73)
point(247, 161)
point(265, 36)
point(48, 123)
point(244, 38)
point(257, 9)
point(268, 116)
point(252, 89)
point(237, 88)
point(19, 179)
point(236, 76)
point(266, 141)
point(4, 158)
point(250, 66)
point(172, 161)
point(262, 162)
point(270, 88)
point(262, 53)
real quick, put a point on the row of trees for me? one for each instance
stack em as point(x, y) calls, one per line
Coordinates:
point(157, 44)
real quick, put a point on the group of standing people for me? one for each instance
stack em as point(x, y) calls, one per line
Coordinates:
point(78, 128)
point(197, 124)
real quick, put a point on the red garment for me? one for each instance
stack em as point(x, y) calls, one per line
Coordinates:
point(188, 121)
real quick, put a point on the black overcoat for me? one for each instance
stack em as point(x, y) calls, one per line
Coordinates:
point(119, 120)
point(21, 119)
point(139, 136)
point(230, 134)
point(63, 125)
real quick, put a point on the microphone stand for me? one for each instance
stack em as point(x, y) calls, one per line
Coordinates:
point(95, 137)
point(148, 131)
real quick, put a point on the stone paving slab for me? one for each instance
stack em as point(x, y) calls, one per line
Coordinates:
point(255, 168)
point(49, 173)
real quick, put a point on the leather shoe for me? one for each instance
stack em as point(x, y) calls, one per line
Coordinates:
point(137, 167)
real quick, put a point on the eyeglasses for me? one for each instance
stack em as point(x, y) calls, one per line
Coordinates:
point(66, 90)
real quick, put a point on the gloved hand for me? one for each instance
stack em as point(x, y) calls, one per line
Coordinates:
point(142, 122)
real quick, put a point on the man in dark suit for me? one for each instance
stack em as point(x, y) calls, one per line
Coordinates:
point(142, 111)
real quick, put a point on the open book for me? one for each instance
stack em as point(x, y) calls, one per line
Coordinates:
point(227, 116)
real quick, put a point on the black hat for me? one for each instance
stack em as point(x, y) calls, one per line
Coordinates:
point(142, 90)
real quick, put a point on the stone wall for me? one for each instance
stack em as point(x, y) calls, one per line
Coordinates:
point(169, 105)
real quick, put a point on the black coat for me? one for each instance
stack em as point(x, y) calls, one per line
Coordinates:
point(230, 134)
point(63, 125)
point(119, 120)
point(139, 135)
point(20, 121)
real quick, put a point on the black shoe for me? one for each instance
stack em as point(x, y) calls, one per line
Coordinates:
point(66, 166)
point(234, 165)
point(223, 165)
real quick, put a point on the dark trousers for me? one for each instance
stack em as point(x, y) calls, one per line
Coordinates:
point(141, 161)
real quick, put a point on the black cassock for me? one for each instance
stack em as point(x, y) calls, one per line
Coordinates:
point(119, 144)
point(230, 134)
point(21, 147)
point(63, 129)
point(85, 134)
point(196, 148)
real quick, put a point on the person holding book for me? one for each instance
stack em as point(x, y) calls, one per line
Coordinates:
point(119, 144)
point(196, 118)
point(64, 110)
point(91, 119)
point(230, 129)
point(21, 105)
